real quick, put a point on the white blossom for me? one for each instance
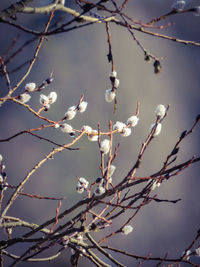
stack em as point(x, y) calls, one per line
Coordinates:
point(1, 179)
point(127, 229)
point(178, 5)
point(105, 146)
point(133, 121)
point(70, 114)
point(52, 97)
point(197, 10)
point(158, 129)
point(44, 100)
point(109, 95)
point(82, 106)
point(66, 128)
point(87, 128)
point(126, 132)
point(72, 108)
point(116, 83)
point(197, 251)
point(1, 158)
point(155, 185)
point(111, 170)
point(160, 111)
point(79, 189)
point(30, 87)
point(119, 126)
point(113, 74)
point(24, 98)
point(83, 182)
point(100, 190)
point(93, 136)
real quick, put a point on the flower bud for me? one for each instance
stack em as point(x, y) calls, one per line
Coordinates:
point(82, 106)
point(24, 98)
point(105, 146)
point(158, 129)
point(126, 132)
point(30, 87)
point(160, 111)
point(52, 97)
point(132, 121)
point(119, 126)
point(109, 95)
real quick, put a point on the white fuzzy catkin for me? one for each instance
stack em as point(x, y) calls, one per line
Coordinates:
point(132, 121)
point(52, 97)
point(116, 83)
point(82, 107)
point(24, 98)
point(105, 146)
point(66, 128)
point(109, 95)
point(158, 129)
point(93, 136)
point(100, 190)
point(44, 100)
point(83, 182)
point(113, 74)
point(30, 87)
point(1, 158)
point(70, 114)
point(160, 111)
point(111, 170)
point(87, 128)
point(119, 126)
point(126, 132)
point(127, 229)
point(178, 5)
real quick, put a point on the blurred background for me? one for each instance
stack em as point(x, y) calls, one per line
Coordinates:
point(80, 65)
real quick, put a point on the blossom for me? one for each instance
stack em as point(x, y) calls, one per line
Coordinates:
point(100, 190)
point(157, 130)
point(105, 146)
point(24, 98)
point(71, 113)
point(66, 128)
point(82, 185)
point(52, 97)
point(87, 128)
point(126, 132)
point(127, 229)
point(44, 100)
point(1, 158)
point(132, 121)
point(83, 182)
point(178, 5)
point(109, 95)
point(116, 83)
point(113, 74)
point(93, 136)
point(111, 170)
point(79, 189)
point(30, 87)
point(119, 126)
point(160, 111)
point(82, 106)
